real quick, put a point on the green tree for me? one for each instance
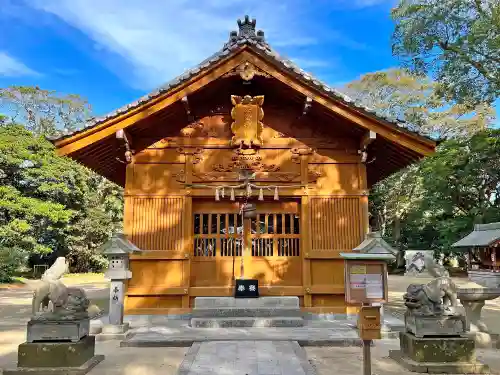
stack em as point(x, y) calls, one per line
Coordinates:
point(444, 194)
point(401, 95)
point(458, 41)
point(51, 206)
point(44, 112)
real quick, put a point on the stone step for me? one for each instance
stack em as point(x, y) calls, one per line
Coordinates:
point(244, 312)
point(333, 334)
point(261, 302)
point(246, 322)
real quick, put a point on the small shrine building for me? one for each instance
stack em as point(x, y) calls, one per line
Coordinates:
point(246, 128)
point(482, 247)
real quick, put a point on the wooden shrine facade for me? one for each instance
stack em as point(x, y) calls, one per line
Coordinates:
point(182, 154)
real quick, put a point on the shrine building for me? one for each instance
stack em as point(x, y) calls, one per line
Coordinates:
point(243, 166)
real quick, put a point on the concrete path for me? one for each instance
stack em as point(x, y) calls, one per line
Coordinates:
point(246, 358)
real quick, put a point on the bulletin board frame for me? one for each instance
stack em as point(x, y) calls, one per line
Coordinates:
point(367, 289)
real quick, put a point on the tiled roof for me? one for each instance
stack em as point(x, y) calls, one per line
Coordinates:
point(375, 244)
point(246, 35)
point(483, 235)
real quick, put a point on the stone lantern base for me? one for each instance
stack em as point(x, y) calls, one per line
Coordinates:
point(113, 332)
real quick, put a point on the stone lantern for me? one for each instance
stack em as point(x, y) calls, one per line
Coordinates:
point(117, 250)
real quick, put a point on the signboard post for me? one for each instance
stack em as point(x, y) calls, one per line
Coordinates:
point(365, 285)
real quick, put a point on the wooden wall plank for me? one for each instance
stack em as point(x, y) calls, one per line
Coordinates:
point(158, 223)
point(188, 245)
point(335, 223)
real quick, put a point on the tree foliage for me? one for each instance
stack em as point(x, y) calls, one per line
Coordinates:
point(401, 95)
point(44, 112)
point(49, 205)
point(434, 203)
point(431, 204)
point(458, 41)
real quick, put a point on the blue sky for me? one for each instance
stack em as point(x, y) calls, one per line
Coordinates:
point(114, 51)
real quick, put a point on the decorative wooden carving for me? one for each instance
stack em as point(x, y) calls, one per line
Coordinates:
point(252, 166)
point(366, 140)
point(185, 103)
point(307, 106)
point(215, 176)
point(180, 176)
point(313, 173)
point(192, 129)
point(247, 126)
point(242, 161)
point(285, 177)
point(196, 152)
point(259, 176)
point(122, 136)
point(247, 71)
point(213, 126)
point(279, 135)
point(297, 152)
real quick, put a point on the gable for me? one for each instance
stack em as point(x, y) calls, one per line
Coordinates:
point(97, 147)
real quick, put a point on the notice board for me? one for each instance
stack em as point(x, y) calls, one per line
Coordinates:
point(365, 281)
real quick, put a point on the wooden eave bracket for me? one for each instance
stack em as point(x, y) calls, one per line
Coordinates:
point(185, 103)
point(307, 106)
point(121, 135)
point(366, 140)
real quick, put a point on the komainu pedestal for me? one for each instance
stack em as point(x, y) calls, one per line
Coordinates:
point(444, 325)
point(58, 330)
point(438, 355)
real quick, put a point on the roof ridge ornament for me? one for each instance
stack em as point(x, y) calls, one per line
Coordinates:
point(246, 30)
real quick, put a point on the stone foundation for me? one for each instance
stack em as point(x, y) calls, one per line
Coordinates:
point(448, 355)
point(56, 358)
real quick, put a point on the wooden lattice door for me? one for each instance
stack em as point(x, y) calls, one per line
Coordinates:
point(217, 244)
point(274, 256)
point(272, 244)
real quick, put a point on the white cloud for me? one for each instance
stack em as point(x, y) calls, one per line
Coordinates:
point(149, 42)
point(160, 39)
point(11, 67)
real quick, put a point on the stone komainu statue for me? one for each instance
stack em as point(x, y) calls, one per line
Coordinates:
point(438, 297)
point(67, 303)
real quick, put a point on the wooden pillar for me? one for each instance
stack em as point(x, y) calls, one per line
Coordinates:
point(363, 202)
point(128, 219)
point(247, 249)
point(305, 232)
point(128, 202)
point(188, 232)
